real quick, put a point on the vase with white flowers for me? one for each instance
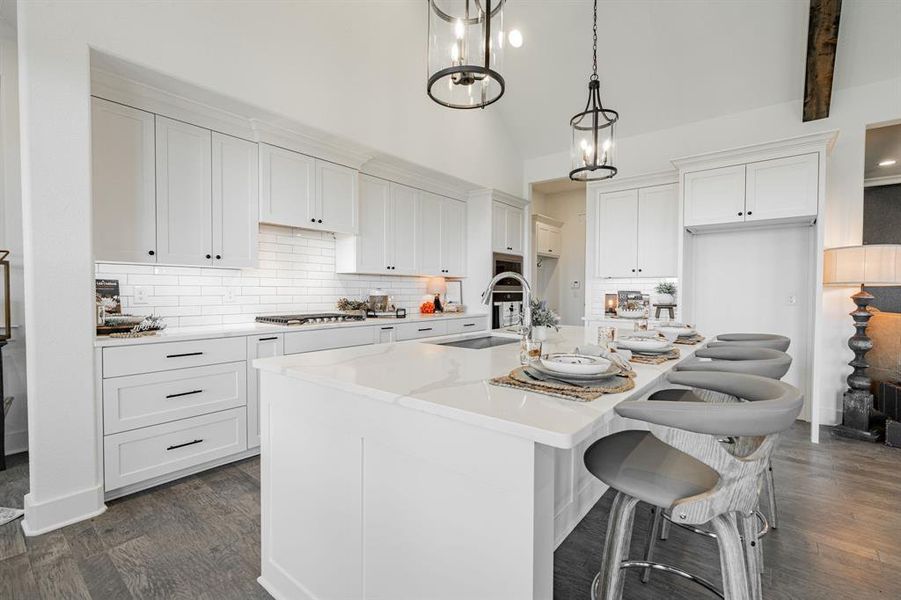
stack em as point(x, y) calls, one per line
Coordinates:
point(666, 292)
point(542, 318)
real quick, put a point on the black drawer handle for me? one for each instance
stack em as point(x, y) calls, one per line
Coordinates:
point(469, 324)
point(390, 328)
point(183, 445)
point(268, 339)
point(426, 329)
point(184, 354)
point(192, 392)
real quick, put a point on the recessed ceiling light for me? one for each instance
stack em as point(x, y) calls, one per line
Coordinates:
point(515, 38)
point(887, 163)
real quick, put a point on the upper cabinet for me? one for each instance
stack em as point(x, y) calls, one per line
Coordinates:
point(637, 232)
point(297, 190)
point(769, 190)
point(123, 179)
point(548, 236)
point(507, 224)
point(404, 231)
point(169, 192)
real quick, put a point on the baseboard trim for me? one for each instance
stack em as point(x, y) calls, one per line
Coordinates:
point(16, 442)
point(49, 515)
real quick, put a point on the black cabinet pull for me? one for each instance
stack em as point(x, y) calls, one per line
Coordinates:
point(319, 221)
point(750, 213)
point(739, 214)
point(633, 270)
point(192, 392)
point(425, 329)
point(184, 354)
point(469, 324)
point(218, 257)
point(151, 253)
point(312, 220)
point(387, 328)
point(268, 339)
point(208, 256)
point(183, 445)
point(639, 270)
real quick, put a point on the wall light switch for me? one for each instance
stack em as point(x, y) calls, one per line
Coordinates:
point(230, 293)
point(141, 295)
point(792, 300)
point(575, 284)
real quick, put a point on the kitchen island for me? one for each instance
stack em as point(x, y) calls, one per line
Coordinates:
point(398, 472)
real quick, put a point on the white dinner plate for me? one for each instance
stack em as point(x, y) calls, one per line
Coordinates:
point(579, 364)
point(679, 330)
point(611, 371)
point(643, 344)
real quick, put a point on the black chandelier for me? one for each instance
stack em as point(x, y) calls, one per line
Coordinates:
point(466, 43)
point(592, 145)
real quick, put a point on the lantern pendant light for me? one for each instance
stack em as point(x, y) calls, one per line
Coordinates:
point(466, 43)
point(592, 129)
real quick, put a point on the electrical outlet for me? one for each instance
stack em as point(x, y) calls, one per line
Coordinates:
point(141, 295)
point(230, 293)
point(792, 300)
point(575, 284)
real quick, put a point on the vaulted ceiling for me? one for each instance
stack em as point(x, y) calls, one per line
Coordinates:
point(666, 63)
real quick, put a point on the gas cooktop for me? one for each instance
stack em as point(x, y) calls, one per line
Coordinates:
point(308, 318)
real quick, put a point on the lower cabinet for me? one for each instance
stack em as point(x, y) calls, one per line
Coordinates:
point(135, 456)
point(258, 346)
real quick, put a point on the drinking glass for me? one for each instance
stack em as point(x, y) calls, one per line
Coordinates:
point(529, 350)
point(607, 337)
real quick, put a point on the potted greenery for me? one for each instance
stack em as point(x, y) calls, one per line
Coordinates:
point(542, 318)
point(666, 292)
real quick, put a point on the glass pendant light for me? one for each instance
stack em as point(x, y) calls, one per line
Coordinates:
point(466, 43)
point(592, 143)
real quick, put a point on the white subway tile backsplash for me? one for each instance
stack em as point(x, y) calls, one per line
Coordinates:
point(295, 273)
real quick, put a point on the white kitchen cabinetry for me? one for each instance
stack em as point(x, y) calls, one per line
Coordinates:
point(419, 329)
point(442, 236)
point(301, 191)
point(637, 232)
point(430, 234)
point(235, 201)
point(124, 188)
point(184, 165)
point(287, 187)
point(548, 239)
point(780, 189)
point(507, 228)
point(387, 241)
point(258, 346)
point(715, 196)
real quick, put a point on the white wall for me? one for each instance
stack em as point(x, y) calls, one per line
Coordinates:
point(568, 207)
point(852, 110)
point(355, 70)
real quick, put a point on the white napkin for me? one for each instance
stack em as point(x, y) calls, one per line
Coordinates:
point(618, 358)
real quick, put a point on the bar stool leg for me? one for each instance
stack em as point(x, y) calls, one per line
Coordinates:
point(608, 584)
point(732, 558)
point(664, 530)
point(653, 532)
point(750, 526)
point(770, 483)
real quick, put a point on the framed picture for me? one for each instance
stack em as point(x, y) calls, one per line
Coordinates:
point(454, 293)
point(107, 296)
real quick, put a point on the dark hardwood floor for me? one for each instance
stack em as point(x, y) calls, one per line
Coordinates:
point(198, 538)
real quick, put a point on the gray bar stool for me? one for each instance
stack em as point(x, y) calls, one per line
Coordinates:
point(759, 340)
point(680, 466)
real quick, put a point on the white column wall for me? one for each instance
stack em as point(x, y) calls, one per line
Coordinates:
point(54, 95)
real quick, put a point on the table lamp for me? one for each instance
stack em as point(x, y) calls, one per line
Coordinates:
point(871, 265)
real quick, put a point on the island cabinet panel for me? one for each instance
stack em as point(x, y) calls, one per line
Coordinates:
point(152, 398)
point(134, 456)
point(326, 339)
point(258, 346)
point(123, 182)
point(341, 520)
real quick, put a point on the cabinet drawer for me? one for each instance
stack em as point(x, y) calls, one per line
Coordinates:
point(152, 398)
point(141, 454)
point(412, 331)
point(145, 358)
point(326, 339)
point(465, 325)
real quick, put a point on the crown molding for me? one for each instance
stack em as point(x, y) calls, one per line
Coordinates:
point(814, 142)
point(499, 196)
point(308, 140)
point(878, 181)
point(634, 181)
point(413, 175)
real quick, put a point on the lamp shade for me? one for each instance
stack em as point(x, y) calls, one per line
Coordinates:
point(872, 264)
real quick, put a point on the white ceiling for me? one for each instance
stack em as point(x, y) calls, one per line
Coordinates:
point(883, 143)
point(665, 63)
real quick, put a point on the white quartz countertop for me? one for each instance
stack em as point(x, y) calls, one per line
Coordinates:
point(179, 334)
point(453, 382)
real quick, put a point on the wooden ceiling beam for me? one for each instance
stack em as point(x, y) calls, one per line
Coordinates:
point(822, 40)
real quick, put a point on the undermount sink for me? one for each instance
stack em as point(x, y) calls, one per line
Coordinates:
point(479, 343)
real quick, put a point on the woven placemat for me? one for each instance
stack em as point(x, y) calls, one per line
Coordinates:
point(133, 334)
point(690, 340)
point(518, 380)
point(655, 359)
